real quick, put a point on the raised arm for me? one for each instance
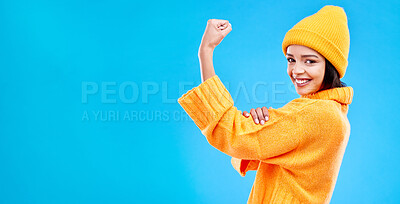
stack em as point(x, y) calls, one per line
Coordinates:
point(215, 31)
point(211, 107)
point(206, 63)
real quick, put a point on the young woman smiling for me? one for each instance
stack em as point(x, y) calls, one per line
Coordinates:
point(297, 149)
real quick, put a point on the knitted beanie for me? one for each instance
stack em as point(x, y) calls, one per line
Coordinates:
point(325, 32)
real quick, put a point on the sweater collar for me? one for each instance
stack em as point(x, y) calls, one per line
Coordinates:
point(343, 95)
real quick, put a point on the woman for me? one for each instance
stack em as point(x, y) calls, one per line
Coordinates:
point(298, 149)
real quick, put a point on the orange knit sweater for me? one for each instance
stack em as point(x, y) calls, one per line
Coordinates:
point(297, 153)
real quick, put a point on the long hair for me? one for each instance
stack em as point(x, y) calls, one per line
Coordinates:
point(331, 77)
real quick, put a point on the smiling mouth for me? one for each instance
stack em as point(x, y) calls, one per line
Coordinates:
point(302, 82)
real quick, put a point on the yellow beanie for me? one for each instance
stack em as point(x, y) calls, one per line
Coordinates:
point(326, 32)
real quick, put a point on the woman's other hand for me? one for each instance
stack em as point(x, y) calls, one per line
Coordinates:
point(260, 115)
point(216, 30)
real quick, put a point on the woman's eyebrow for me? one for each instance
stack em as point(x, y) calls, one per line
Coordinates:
point(303, 55)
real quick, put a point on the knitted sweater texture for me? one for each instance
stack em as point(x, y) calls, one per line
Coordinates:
point(297, 153)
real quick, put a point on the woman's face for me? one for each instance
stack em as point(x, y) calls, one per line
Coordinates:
point(306, 68)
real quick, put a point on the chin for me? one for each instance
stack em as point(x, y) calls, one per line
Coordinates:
point(302, 92)
point(305, 90)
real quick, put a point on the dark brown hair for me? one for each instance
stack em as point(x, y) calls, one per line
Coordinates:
point(331, 77)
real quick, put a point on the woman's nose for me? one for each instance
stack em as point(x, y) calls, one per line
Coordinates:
point(297, 70)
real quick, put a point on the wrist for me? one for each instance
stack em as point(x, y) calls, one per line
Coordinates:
point(205, 50)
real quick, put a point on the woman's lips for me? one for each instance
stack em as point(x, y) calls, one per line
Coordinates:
point(302, 82)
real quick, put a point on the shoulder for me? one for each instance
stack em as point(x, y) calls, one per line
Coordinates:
point(298, 104)
point(301, 111)
point(313, 111)
point(297, 108)
point(321, 109)
point(326, 117)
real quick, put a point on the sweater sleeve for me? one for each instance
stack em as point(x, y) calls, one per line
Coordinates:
point(211, 108)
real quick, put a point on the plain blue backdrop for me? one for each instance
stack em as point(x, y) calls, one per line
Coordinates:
point(88, 110)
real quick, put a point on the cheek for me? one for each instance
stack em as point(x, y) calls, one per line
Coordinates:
point(318, 74)
point(321, 72)
point(289, 71)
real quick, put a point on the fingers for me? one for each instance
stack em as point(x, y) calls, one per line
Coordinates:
point(218, 23)
point(246, 114)
point(265, 112)
point(254, 115)
point(226, 29)
point(260, 115)
point(221, 25)
point(229, 27)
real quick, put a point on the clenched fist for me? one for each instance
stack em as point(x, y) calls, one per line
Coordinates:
point(216, 30)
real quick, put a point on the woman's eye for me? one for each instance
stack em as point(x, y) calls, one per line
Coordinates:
point(311, 61)
point(289, 60)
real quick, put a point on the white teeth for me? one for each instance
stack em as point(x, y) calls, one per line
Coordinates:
point(302, 81)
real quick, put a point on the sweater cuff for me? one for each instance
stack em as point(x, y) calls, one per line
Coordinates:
point(207, 102)
point(240, 165)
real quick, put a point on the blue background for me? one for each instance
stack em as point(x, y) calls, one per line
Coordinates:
point(50, 152)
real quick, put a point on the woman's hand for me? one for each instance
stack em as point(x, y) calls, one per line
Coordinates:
point(260, 115)
point(216, 30)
